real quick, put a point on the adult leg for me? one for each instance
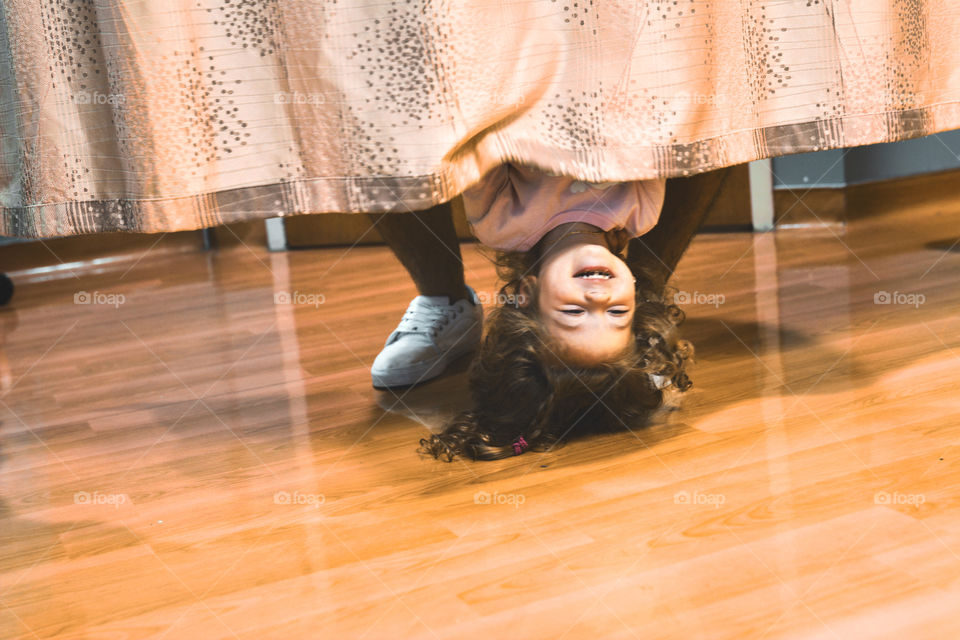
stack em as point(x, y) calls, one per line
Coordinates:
point(686, 204)
point(425, 242)
point(442, 323)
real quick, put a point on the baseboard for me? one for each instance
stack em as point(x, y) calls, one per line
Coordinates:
point(809, 207)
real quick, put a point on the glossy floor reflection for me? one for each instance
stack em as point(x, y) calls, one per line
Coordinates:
point(193, 450)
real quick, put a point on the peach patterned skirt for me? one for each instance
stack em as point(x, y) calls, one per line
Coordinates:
point(161, 116)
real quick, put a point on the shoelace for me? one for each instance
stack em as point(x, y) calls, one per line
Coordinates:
point(425, 319)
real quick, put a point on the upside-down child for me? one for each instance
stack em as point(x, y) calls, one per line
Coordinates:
point(577, 341)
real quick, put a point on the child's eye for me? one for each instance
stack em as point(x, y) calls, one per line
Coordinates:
point(619, 311)
point(572, 311)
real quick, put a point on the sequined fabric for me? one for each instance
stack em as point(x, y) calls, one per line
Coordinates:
point(160, 116)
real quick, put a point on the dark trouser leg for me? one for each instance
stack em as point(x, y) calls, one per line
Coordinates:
point(685, 206)
point(425, 242)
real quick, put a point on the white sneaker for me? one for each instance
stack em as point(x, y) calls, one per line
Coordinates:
point(430, 336)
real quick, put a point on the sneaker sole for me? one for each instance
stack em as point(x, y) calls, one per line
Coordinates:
point(410, 379)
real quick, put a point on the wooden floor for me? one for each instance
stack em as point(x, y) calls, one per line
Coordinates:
point(192, 460)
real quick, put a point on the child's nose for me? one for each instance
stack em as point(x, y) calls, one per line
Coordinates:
point(597, 295)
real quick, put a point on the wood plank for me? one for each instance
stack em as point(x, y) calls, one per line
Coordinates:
point(200, 462)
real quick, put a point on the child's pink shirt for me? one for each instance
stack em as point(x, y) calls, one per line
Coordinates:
point(513, 206)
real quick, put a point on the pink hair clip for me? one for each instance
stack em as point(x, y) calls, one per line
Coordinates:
point(519, 446)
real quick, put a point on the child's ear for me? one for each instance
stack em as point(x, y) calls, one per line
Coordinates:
point(525, 291)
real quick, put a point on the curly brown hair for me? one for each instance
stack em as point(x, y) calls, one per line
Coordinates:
point(526, 397)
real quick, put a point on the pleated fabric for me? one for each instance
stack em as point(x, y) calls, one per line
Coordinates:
point(162, 116)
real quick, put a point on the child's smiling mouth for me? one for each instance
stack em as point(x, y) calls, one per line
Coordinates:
point(594, 273)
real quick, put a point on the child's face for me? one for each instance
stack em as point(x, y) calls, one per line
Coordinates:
point(586, 302)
